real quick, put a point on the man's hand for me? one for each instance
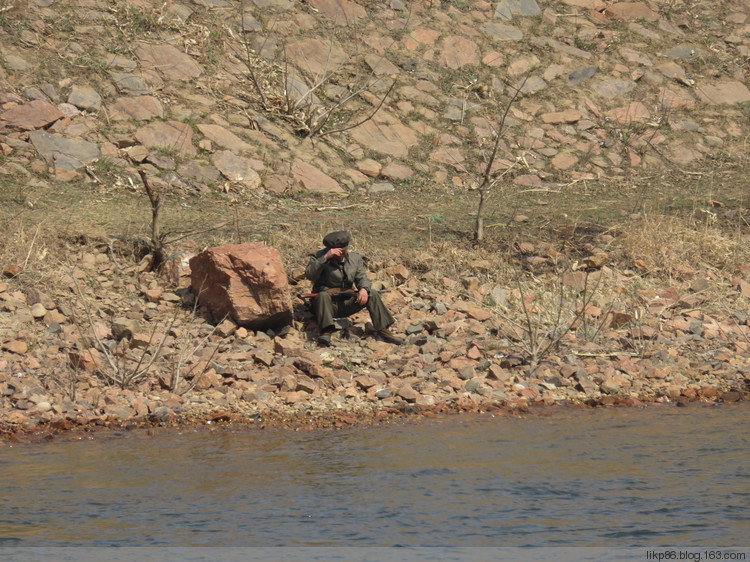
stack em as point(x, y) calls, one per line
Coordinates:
point(335, 253)
point(362, 297)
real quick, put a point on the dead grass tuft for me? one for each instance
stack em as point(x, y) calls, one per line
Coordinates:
point(665, 245)
point(42, 250)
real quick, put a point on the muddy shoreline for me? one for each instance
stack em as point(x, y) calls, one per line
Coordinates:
point(145, 427)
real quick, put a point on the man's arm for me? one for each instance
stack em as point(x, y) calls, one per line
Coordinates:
point(361, 280)
point(315, 266)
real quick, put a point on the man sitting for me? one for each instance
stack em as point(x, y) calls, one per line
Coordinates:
point(334, 269)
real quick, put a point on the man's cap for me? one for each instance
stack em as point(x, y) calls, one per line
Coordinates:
point(338, 239)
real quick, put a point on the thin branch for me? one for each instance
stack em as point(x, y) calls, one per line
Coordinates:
point(100, 344)
point(249, 54)
point(358, 123)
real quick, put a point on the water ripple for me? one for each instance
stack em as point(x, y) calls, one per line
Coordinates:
point(614, 477)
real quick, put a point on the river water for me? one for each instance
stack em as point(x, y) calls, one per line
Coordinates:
point(607, 477)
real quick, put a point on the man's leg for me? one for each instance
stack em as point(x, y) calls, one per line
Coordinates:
point(381, 317)
point(322, 306)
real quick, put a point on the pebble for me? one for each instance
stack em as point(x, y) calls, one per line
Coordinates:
point(38, 310)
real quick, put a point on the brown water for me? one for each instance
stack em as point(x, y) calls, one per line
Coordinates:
point(621, 477)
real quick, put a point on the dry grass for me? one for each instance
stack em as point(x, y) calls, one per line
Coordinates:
point(665, 245)
point(426, 229)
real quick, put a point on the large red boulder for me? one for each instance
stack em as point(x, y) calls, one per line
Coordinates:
point(246, 282)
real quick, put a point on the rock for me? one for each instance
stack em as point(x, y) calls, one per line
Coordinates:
point(246, 282)
point(396, 171)
point(34, 296)
point(564, 161)
point(17, 418)
point(16, 346)
point(153, 295)
point(575, 280)
point(528, 180)
point(384, 133)
point(596, 5)
point(143, 340)
point(676, 99)
point(381, 187)
point(502, 32)
point(408, 393)
point(497, 296)
point(568, 116)
point(466, 373)
point(222, 137)
point(633, 112)
point(381, 66)
point(609, 386)
point(170, 135)
point(472, 385)
point(161, 413)
point(124, 328)
point(15, 62)
point(458, 51)
point(342, 12)
point(580, 75)
point(656, 373)
point(140, 108)
point(236, 169)
point(596, 261)
point(130, 84)
point(686, 52)
point(727, 93)
point(584, 382)
point(611, 88)
point(87, 360)
point(506, 9)
point(479, 314)
point(169, 60)
point(198, 171)
point(315, 56)
point(744, 288)
point(384, 393)
point(312, 179)
point(399, 273)
point(306, 384)
point(561, 47)
point(731, 396)
point(631, 11)
point(65, 153)
point(226, 328)
point(532, 84)
point(85, 97)
point(36, 114)
point(495, 372)
point(38, 310)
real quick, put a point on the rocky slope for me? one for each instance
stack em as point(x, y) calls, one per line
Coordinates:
point(466, 350)
point(608, 89)
point(96, 92)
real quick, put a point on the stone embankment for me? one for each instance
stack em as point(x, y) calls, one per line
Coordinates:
point(610, 89)
point(464, 352)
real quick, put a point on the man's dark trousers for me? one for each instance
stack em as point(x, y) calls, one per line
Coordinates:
point(327, 308)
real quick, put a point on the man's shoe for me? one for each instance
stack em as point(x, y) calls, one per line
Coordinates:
point(324, 341)
point(390, 337)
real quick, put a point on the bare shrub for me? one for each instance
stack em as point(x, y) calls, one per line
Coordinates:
point(547, 316)
point(122, 365)
point(320, 104)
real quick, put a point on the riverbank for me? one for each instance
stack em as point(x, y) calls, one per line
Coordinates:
point(118, 346)
point(609, 140)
